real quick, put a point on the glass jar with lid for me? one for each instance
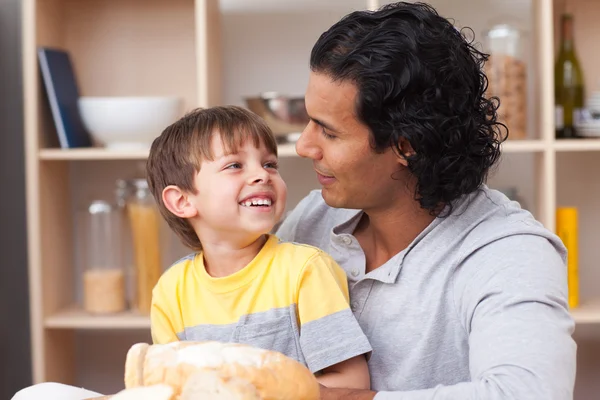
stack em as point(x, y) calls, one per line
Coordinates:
point(103, 275)
point(506, 71)
point(145, 223)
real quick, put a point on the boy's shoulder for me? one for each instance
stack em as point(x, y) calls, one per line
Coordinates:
point(301, 253)
point(296, 248)
point(178, 269)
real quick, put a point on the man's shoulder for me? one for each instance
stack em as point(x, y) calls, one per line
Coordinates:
point(499, 229)
point(491, 216)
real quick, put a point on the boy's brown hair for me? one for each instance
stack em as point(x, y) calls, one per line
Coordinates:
point(176, 155)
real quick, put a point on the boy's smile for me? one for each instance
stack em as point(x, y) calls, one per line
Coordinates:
point(240, 194)
point(259, 201)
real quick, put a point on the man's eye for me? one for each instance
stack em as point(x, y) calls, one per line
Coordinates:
point(326, 135)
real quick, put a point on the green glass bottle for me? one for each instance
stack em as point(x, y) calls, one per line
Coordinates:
point(568, 83)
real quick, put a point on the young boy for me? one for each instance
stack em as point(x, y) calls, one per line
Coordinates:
point(214, 176)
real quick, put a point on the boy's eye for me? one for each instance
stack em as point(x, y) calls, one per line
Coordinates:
point(233, 166)
point(272, 164)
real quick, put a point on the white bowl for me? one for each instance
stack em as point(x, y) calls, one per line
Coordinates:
point(128, 122)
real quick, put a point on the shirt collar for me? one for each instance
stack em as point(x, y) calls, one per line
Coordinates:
point(388, 272)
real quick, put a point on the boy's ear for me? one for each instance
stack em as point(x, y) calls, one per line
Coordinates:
point(177, 202)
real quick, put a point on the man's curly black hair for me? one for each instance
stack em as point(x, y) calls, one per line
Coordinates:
point(420, 79)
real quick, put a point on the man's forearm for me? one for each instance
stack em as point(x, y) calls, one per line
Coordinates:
point(346, 394)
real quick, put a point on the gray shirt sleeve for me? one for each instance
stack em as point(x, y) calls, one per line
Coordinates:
point(515, 313)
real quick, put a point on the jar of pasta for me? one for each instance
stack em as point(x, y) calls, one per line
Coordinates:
point(506, 70)
point(145, 223)
point(103, 274)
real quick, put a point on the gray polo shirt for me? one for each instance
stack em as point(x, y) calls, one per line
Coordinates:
point(474, 308)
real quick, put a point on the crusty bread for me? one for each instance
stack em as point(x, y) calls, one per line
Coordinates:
point(275, 376)
point(154, 392)
point(208, 385)
point(134, 365)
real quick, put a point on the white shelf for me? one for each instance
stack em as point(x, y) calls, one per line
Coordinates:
point(523, 146)
point(91, 154)
point(99, 153)
point(564, 145)
point(587, 313)
point(75, 318)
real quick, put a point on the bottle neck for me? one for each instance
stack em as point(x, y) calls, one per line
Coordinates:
point(567, 45)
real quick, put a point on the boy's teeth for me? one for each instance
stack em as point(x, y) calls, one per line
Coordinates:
point(257, 202)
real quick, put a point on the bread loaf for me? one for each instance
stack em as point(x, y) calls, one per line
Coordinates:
point(208, 385)
point(245, 372)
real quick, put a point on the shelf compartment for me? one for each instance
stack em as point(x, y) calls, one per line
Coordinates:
point(76, 318)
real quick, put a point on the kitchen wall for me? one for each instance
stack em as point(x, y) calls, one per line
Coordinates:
point(15, 372)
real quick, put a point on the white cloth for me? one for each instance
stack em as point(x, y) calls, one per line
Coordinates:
point(54, 391)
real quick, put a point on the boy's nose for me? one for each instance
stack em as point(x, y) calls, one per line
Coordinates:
point(259, 176)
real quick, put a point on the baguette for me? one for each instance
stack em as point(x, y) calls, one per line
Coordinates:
point(225, 365)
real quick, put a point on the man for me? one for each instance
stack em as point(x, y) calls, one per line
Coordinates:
point(461, 293)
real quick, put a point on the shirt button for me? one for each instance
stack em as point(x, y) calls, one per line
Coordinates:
point(347, 240)
point(355, 272)
point(354, 306)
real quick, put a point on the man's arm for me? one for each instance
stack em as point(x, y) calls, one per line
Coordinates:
point(352, 373)
point(511, 297)
point(346, 394)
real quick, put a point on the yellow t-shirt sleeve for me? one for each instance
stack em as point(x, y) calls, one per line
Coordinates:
point(322, 288)
point(164, 325)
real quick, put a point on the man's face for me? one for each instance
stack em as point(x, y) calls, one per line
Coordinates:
point(351, 173)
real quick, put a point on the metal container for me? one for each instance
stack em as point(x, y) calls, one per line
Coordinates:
point(286, 116)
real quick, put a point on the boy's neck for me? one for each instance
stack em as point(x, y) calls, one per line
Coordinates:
point(223, 258)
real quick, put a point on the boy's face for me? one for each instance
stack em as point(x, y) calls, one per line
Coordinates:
point(239, 195)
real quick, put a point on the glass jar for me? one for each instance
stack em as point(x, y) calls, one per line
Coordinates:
point(145, 223)
point(103, 275)
point(506, 70)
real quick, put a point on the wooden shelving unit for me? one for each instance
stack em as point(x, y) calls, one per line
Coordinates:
point(212, 52)
point(75, 318)
point(587, 312)
point(97, 154)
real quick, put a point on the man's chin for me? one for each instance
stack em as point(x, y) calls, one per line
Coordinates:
point(331, 199)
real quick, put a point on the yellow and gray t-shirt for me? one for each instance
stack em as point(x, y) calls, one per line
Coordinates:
point(291, 298)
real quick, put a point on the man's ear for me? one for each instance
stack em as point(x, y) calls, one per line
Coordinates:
point(177, 202)
point(403, 151)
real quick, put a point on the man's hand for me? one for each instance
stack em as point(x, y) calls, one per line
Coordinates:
point(346, 394)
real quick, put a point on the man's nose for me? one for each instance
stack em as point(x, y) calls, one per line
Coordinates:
point(306, 145)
